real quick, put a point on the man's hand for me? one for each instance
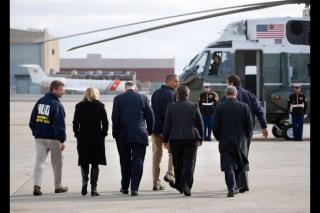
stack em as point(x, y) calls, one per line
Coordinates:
point(199, 143)
point(265, 133)
point(62, 146)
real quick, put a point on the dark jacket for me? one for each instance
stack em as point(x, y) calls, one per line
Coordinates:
point(207, 103)
point(295, 100)
point(233, 128)
point(159, 102)
point(47, 119)
point(131, 111)
point(183, 121)
point(256, 109)
point(90, 127)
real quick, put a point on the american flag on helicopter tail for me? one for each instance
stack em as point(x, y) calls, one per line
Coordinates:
point(270, 31)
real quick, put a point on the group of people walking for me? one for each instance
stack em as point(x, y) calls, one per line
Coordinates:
point(173, 122)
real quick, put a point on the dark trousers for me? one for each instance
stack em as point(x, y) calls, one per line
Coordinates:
point(242, 177)
point(131, 162)
point(184, 153)
point(207, 122)
point(242, 180)
point(297, 126)
point(230, 178)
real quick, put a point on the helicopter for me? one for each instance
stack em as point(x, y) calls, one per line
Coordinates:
point(268, 54)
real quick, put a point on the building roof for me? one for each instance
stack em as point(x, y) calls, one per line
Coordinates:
point(95, 61)
point(28, 36)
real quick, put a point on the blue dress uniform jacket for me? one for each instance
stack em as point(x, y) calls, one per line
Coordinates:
point(159, 102)
point(207, 103)
point(298, 103)
point(47, 120)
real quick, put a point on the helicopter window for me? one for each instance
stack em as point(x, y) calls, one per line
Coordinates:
point(200, 65)
point(298, 32)
point(192, 60)
point(221, 44)
point(296, 28)
point(220, 64)
point(299, 68)
point(186, 68)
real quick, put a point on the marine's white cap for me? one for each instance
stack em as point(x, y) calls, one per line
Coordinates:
point(296, 85)
point(206, 84)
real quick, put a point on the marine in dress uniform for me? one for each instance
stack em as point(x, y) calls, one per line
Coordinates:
point(297, 106)
point(207, 104)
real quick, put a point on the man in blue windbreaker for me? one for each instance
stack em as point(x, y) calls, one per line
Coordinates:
point(159, 102)
point(48, 126)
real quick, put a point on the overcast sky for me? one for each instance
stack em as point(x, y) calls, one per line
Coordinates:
point(64, 17)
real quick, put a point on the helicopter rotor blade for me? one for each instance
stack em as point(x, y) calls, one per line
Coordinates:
point(158, 19)
point(187, 21)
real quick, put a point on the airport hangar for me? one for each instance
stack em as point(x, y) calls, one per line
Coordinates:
point(148, 72)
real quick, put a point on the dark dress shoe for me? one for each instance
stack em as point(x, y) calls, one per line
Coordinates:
point(243, 189)
point(84, 190)
point(170, 179)
point(187, 191)
point(124, 191)
point(95, 193)
point(134, 193)
point(36, 190)
point(231, 193)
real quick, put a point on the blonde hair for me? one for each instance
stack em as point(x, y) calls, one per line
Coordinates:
point(91, 94)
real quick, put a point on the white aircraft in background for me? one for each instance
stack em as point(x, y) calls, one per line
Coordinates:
point(38, 76)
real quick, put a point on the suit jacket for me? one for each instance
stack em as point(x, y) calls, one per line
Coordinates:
point(90, 127)
point(131, 111)
point(183, 121)
point(233, 127)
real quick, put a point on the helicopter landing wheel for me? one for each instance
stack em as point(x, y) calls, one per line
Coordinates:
point(277, 131)
point(288, 132)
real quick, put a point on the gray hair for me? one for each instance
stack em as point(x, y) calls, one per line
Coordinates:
point(183, 92)
point(130, 85)
point(231, 90)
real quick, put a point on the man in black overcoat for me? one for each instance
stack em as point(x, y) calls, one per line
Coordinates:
point(131, 112)
point(233, 128)
point(183, 130)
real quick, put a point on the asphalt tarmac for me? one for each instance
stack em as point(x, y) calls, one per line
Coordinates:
point(279, 174)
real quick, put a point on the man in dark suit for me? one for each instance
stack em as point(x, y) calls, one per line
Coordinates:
point(183, 129)
point(233, 128)
point(131, 112)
